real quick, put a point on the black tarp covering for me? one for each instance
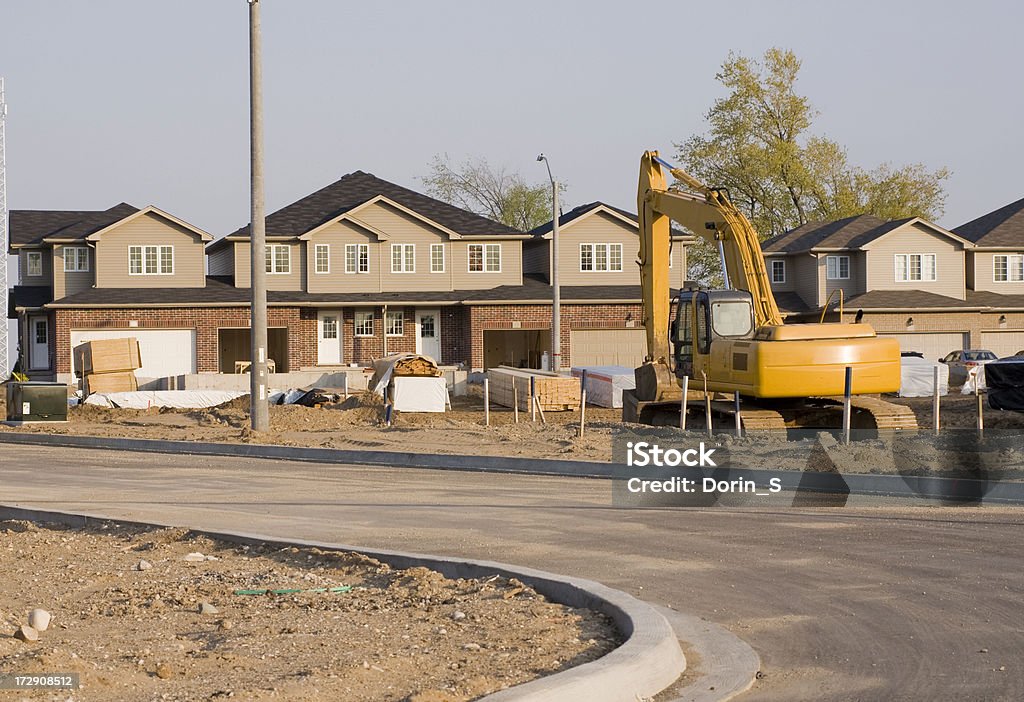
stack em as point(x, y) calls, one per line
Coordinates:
point(1005, 374)
point(1005, 381)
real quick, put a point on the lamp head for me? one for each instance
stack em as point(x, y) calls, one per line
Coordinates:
point(541, 157)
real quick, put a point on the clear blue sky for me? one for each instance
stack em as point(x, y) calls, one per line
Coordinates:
point(147, 101)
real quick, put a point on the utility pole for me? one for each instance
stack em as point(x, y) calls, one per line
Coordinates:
point(556, 292)
point(5, 369)
point(259, 408)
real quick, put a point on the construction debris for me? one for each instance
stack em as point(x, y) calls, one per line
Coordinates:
point(412, 383)
point(553, 392)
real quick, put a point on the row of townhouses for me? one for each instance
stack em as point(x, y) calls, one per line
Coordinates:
point(365, 267)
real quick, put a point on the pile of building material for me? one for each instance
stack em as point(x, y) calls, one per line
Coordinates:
point(178, 399)
point(554, 392)
point(108, 365)
point(917, 377)
point(604, 384)
point(1005, 380)
point(411, 382)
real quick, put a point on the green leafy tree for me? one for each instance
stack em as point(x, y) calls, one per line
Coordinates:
point(761, 147)
point(495, 193)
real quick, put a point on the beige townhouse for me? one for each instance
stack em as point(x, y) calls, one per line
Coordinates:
point(936, 290)
point(360, 268)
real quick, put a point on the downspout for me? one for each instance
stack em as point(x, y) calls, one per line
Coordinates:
point(384, 331)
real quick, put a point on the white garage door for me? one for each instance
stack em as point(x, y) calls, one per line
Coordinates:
point(1003, 343)
point(608, 347)
point(164, 351)
point(933, 346)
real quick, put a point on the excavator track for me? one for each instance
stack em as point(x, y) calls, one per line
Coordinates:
point(870, 413)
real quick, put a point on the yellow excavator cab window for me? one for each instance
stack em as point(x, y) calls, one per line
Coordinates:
point(732, 318)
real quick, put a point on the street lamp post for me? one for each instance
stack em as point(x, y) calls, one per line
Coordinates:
point(556, 305)
point(259, 409)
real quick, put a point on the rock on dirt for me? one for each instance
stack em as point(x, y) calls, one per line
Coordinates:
point(39, 619)
point(26, 633)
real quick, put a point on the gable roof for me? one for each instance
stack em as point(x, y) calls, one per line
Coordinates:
point(847, 233)
point(577, 212)
point(1000, 228)
point(32, 227)
point(356, 189)
point(150, 209)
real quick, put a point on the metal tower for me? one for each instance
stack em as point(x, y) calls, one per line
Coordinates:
point(5, 369)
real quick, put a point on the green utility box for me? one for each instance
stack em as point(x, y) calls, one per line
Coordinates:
point(37, 402)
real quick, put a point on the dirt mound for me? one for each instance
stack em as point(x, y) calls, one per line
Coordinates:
point(278, 623)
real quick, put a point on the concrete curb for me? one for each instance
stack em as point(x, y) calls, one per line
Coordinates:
point(649, 661)
point(944, 490)
point(728, 665)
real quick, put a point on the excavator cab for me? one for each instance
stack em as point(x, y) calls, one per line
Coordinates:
point(702, 316)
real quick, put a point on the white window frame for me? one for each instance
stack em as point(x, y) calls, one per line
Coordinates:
point(782, 267)
point(839, 268)
point(485, 262)
point(434, 249)
point(1013, 265)
point(335, 327)
point(78, 259)
point(358, 255)
point(406, 260)
point(367, 317)
point(272, 265)
point(606, 252)
point(33, 259)
point(158, 252)
point(394, 319)
point(904, 268)
point(326, 249)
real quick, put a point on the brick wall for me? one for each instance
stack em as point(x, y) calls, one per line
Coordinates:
point(971, 323)
point(607, 316)
point(301, 324)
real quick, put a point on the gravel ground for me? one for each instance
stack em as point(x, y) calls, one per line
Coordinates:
point(126, 615)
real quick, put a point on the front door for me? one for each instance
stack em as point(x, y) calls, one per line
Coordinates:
point(328, 325)
point(428, 333)
point(39, 343)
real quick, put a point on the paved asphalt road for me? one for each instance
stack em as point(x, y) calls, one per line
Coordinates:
point(881, 601)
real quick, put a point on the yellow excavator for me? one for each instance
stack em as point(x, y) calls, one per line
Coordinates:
point(734, 340)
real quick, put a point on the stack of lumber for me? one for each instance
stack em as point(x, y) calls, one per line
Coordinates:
point(406, 364)
point(108, 365)
point(556, 392)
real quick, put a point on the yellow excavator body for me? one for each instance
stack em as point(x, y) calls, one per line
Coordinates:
point(710, 342)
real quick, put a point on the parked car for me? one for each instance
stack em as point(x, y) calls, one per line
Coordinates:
point(961, 362)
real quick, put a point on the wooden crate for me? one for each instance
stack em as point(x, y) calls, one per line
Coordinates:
point(556, 393)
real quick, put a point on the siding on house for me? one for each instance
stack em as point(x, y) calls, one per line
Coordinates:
point(598, 228)
point(981, 273)
point(917, 239)
point(537, 258)
point(808, 277)
point(47, 268)
point(295, 279)
point(336, 237)
point(850, 286)
point(69, 283)
point(150, 229)
point(790, 283)
point(511, 265)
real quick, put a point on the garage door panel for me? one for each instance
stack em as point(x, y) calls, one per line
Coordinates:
point(608, 347)
point(163, 352)
point(1003, 343)
point(932, 345)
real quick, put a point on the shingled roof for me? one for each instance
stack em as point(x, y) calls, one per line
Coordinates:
point(30, 227)
point(1001, 228)
point(847, 233)
point(357, 188)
